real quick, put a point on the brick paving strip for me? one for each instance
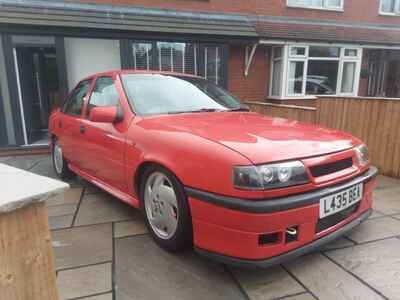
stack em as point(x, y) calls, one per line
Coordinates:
point(103, 252)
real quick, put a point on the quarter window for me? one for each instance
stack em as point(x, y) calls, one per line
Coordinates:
point(390, 7)
point(75, 103)
point(104, 94)
point(319, 4)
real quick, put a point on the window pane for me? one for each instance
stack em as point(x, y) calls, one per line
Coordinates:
point(388, 6)
point(350, 52)
point(142, 56)
point(277, 78)
point(305, 3)
point(295, 83)
point(324, 51)
point(297, 51)
point(212, 58)
point(277, 52)
point(322, 77)
point(104, 94)
point(191, 59)
point(349, 70)
point(333, 3)
point(75, 103)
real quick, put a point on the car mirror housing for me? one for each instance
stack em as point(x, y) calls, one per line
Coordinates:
point(106, 114)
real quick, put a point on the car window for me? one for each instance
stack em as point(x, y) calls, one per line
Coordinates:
point(75, 103)
point(104, 94)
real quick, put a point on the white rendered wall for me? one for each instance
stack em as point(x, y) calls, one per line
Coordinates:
point(85, 57)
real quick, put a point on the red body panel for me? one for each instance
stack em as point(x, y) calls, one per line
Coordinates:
point(201, 150)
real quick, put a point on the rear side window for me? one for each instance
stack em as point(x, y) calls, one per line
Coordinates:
point(75, 103)
point(104, 94)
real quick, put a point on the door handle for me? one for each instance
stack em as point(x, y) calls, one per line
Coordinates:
point(82, 129)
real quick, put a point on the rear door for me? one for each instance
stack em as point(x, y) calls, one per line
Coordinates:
point(104, 143)
point(70, 122)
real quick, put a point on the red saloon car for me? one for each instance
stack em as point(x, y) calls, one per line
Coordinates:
point(240, 187)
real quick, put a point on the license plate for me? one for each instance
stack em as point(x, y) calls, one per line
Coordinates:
point(335, 203)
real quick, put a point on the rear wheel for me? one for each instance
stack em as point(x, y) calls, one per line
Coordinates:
point(59, 163)
point(166, 209)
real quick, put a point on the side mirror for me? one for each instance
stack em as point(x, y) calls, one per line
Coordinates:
point(106, 114)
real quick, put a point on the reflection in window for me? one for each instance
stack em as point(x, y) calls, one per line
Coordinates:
point(323, 76)
point(212, 60)
point(390, 6)
point(295, 80)
point(142, 56)
point(324, 4)
point(349, 71)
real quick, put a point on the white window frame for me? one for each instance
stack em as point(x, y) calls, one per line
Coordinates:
point(324, 6)
point(287, 58)
point(396, 9)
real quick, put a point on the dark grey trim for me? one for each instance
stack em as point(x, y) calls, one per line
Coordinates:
point(266, 263)
point(277, 204)
point(3, 131)
point(13, 89)
point(61, 67)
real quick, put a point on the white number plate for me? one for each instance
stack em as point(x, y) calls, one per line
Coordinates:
point(335, 203)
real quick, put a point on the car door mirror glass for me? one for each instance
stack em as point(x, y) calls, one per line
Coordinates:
point(105, 114)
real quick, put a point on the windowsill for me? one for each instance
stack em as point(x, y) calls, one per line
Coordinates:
point(339, 10)
point(383, 14)
point(292, 98)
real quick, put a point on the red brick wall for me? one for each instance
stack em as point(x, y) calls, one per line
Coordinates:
point(255, 86)
point(354, 10)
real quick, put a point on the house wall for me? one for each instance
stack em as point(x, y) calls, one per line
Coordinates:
point(360, 10)
point(255, 86)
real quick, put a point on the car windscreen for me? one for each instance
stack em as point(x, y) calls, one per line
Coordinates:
point(153, 94)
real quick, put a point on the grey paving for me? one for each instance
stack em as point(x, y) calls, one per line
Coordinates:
point(144, 271)
point(109, 240)
point(267, 284)
point(82, 246)
point(377, 263)
point(85, 281)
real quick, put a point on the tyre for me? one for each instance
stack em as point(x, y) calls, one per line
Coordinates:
point(59, 163)
point(166, 209)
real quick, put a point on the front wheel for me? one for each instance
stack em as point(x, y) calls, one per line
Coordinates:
point(59, 163)
point(166, 209)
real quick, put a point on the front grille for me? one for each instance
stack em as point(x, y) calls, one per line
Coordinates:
point(332, 220)
point(330, 168)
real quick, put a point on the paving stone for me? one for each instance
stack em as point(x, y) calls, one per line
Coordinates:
point(60, 222)
point(99, 297)
point(61, 210)
point(377, 263)
point(375, 229)
point(84, 281)
point(267, 284)
point(45, 168)
point(384, 182)
point(145, 271)
point(376, 214)
point(25, 162)
point(305, 296)
point(72, 196)
point(340, 243)
point(82, 245)
point(387, 201)
point(124, 229)
point(101, 208)
point(328, 281)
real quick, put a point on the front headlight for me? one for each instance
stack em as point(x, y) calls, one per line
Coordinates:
point(270, 176)
point(362, 154)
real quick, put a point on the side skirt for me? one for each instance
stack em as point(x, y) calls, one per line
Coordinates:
point(106, 187)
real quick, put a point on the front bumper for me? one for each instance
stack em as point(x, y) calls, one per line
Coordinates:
point(228, 229)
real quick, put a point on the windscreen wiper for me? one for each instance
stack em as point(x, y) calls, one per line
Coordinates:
point(195, 111)
point(240, 109)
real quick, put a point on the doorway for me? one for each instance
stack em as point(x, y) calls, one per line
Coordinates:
point(38, 86)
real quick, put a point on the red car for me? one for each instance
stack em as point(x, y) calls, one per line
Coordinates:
point(243, 188)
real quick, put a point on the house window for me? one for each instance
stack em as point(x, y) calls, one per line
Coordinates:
point(317, 4)
point(315, 70)
point(390, 7)
point(206, 60)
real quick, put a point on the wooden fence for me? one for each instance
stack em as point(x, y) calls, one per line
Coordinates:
point(376, 121)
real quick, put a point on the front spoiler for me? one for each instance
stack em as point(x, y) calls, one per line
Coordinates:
point(311, 247)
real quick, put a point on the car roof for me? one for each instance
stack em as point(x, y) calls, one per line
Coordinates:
point(132, 71)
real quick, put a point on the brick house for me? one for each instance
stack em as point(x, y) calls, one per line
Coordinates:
point(275, 50)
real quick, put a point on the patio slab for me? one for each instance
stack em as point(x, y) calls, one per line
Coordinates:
point(328, 281)
point(82, 246)
point(267, 284)
point(72, 196)
point(103, 208)
point(387, 200)
point(85, 281)
point(375, 229)
point(60, 222)
point(128, 228)
point(304, 296)
point(144, 271)
point(377, 263)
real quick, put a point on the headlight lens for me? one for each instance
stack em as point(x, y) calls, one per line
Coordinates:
point(362, 154)
point(270, 176)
